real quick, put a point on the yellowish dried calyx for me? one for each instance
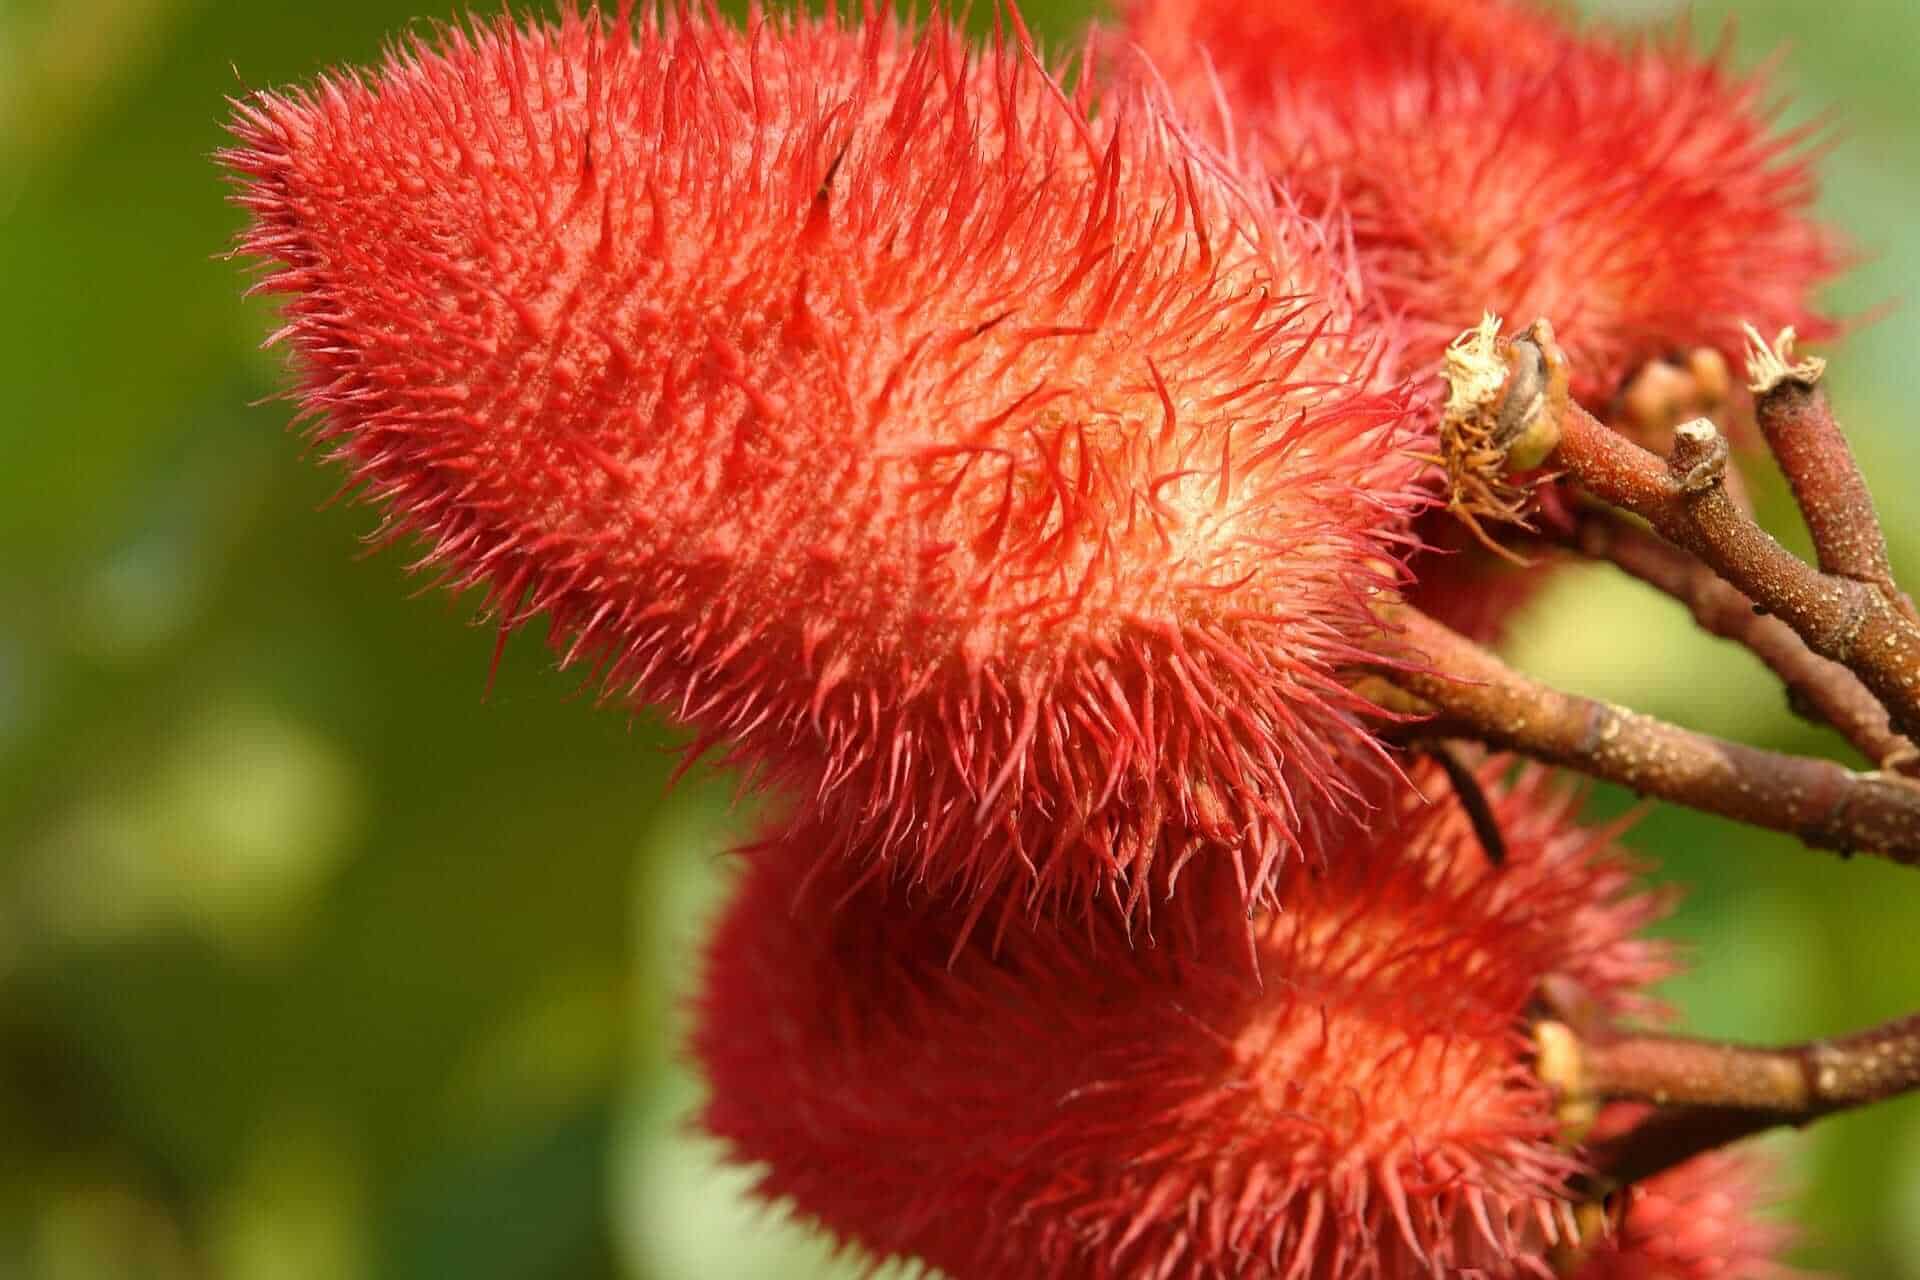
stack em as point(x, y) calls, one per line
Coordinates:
point(1506, 398)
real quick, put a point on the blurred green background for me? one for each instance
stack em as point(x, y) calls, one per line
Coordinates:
point(315, 962)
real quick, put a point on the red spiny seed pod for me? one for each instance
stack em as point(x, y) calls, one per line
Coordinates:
point(1458, 582)
point(1494, 160)
point(1075, 1104)
point(1701, 1220)
point(1491, 157)
point(998, 471)
point(1246, 54)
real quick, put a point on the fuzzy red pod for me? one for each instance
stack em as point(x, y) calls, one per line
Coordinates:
point(997, 471)
point(1457, 581)
point(1042, 1104)
point(1702, 1220)
point(1238, 57)
point(1492, 158)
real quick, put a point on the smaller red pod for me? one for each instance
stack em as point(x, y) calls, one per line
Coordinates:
point(1705, 1219)
point(1002, 1101)
point(1243, 56)
point(1495, 158)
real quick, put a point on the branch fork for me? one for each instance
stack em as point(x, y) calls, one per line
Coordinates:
point(1840, 633)
point(1849, 610)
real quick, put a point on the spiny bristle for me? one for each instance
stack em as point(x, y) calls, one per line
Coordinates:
point(1079, 1105)
point(997, 470)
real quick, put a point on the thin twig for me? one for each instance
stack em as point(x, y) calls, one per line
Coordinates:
point(1816, 687)
point(1797, 420)
point(1863, 625)
point(1470, 693)
point(1711, 1093)
point(1849, 621)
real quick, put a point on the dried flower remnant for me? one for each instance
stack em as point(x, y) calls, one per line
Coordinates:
point(1076, 1104)
point(1505, 399)
point(998, 473)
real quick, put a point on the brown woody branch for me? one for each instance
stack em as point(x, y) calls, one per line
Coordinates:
point(1709, 1093)
point(1843, 637)
point(1852, 622)
point(1817, 687)
point(1797, 420)
point(1467, 692)
point(1508, 409)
